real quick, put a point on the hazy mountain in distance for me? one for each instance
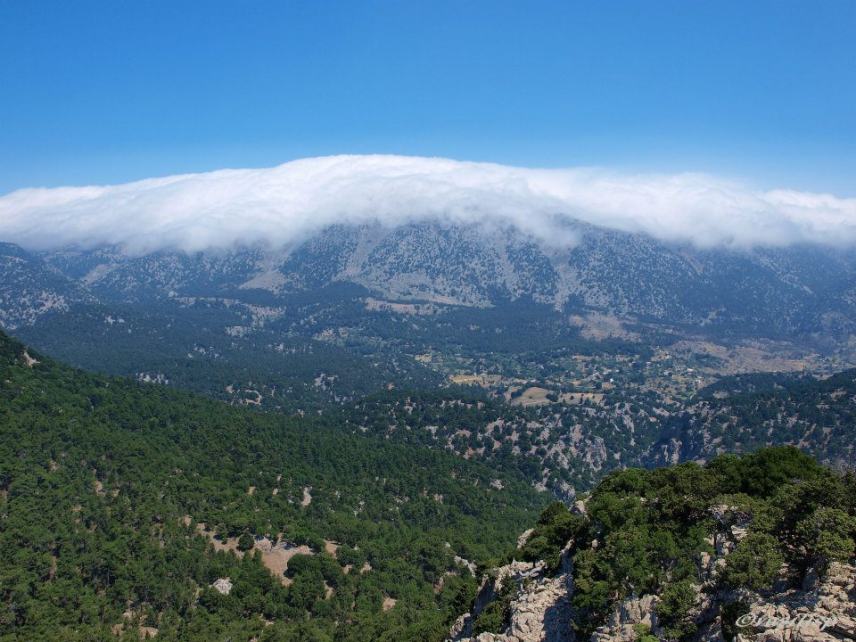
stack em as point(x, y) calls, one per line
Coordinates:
point(804, 291)
point(30, 288)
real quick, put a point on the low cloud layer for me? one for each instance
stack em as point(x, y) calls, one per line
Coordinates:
point(290, 202)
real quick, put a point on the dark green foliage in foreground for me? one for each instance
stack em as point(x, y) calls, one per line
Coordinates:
point(97, 475)
point(644, 530)
point(754, 563)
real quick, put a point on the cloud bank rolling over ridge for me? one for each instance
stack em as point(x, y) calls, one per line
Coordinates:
point(288, 203)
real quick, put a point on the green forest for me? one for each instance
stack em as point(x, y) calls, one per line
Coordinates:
point(117, 502)
point(126, 508)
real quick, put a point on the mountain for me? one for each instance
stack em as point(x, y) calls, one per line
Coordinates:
point(792, 292)
point(800, 291)
point(129, 509)
point(382, 296)
point(30, 288)
point(758, 547)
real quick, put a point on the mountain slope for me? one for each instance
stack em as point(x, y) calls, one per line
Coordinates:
point(379, 297)
point(816, 415)
point(115, 498)
point(798, 291)
point(30, 289)
point(568, 446)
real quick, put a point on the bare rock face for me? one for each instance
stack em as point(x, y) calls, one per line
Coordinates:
point(626, 616)
point(524, 537)
point(540, 608)
point(542, 612)
point(824, 612)
point(222, 585)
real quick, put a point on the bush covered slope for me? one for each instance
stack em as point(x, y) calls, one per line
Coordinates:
point(745, 413)
point(105, 485)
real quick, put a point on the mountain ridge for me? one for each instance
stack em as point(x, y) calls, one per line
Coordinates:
point(805, 292)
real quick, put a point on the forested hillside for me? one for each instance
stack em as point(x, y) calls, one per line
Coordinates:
point(119, 504)
point(567, 441)
point(818, 415)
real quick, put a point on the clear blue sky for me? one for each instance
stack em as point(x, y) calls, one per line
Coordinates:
point(96, 92)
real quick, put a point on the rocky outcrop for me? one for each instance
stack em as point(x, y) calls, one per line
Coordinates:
point(524, 537)
point(540, 609)
point(824, 610)
point(222, 585)
point(627, 616)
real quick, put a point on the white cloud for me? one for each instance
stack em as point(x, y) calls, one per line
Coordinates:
point(289, 202)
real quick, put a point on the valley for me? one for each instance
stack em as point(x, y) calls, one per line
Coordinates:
point(482, 344)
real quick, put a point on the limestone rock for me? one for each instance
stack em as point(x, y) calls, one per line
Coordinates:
point(222, 585)
point(540, 608)
point(621, 624)
point(524, 537)
point(823, 610)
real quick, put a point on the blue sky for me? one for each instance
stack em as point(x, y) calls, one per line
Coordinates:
point(102, 92)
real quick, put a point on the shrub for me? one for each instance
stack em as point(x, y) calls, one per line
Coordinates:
point(493, 619)
point(827, 535)
point(246, 542)
point(754, 564)
point(676, 603)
